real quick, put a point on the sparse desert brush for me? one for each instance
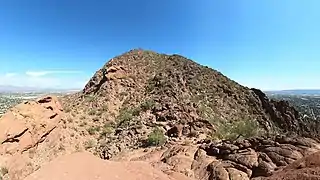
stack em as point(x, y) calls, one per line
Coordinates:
point(93, 130)
point(156, 138)
point(89, 144)
point(237, 129)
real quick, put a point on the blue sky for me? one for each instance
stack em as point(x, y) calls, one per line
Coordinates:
point(267, 44)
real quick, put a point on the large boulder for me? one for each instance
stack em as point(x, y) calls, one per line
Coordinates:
point(23, 130)
point(306, 168)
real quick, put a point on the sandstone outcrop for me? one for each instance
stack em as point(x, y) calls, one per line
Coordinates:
point(307, 168)
point(24, 130)
point(256, 157)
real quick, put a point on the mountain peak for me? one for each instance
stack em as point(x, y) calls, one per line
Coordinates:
point(141, 88)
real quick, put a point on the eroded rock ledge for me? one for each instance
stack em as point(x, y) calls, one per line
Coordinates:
point(22, 130)
point(256, 157)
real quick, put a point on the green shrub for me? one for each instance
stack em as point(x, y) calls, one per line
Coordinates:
point(124, 117)
point(93, 129)
point(148, 104)
point(236, 129)
point(150, 86)
point(156, 138)
point(107, 129)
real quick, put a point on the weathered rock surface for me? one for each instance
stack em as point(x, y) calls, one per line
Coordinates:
point(256, 157)
point(28, 124)
point(31, 134)
point(85, 166)
point(252, 158)
point(307, 168)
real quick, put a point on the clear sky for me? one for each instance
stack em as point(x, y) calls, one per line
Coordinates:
point(267, 44)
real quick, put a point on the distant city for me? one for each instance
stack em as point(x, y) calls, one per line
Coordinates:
point(13, 96)
point(307, 102)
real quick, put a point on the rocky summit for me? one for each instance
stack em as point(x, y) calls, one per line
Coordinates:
point(140, 92)
point(176, 118)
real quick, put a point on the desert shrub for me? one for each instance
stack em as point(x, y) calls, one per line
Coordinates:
point(89, 144)
point(4, 171)
point(135, 111)
point(92, 112)
point(124, 117)
point(107, 129)
point(235, 129)
point(150, 86)
point(104, 107)
point(99, 113)
point(156, 138)
point(146, 105)
point(93, 129)
point(89, 98)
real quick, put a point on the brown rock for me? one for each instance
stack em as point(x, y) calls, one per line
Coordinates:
point(307, 168)
point(175, 131)
point(24, 128)
point(217, 171)
point(235, 174)
point(248, 159)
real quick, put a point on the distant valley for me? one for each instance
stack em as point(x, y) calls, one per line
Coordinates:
point(307, 92)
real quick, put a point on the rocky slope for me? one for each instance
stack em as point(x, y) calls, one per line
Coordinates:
point(140, 90)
